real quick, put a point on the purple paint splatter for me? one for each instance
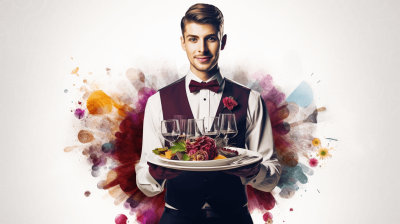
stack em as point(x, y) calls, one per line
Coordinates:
point(79, 113)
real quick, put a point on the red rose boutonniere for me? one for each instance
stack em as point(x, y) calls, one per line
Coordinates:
point(229, 102)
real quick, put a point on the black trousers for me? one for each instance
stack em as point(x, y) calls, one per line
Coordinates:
point(171, 216)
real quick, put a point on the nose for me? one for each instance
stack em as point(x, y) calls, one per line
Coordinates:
point(203, 46)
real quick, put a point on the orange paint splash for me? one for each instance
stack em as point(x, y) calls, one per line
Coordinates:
point(70, 148)
point(75, 71)
point(85, 136)
point(100, 103)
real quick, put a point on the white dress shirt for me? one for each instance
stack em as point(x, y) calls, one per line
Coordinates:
point(205, 104)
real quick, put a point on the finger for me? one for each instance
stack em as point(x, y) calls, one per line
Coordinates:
point(151, 165)
point(249, 166)
point(172, 171)
point(253, 171)
point(231, 171)
point(173, 175)
point(159, 171)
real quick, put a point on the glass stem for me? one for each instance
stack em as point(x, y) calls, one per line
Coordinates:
point(226, 141)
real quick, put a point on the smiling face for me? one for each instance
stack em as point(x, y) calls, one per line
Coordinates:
point(202, 43)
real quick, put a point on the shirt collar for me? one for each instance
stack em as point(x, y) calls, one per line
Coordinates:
point(190, 76)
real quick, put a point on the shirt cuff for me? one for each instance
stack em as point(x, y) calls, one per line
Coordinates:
point(152, 182)
point(254, 181)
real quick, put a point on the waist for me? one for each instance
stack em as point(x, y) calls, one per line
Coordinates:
point(207, 212)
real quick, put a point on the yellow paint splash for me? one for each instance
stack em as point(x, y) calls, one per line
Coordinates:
point(75, 71)
point(316, 142)
point(323, 153)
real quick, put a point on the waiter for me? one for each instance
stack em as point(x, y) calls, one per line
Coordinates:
point(217, 196)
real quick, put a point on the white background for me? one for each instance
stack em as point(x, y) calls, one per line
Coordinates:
point(352, 48)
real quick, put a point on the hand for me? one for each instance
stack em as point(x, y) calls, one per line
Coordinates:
point(245, 171)
point(160, 173)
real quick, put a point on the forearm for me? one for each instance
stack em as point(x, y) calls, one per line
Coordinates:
point(268, 177)
point(260, 139)
point(151, 140)
point(145, 182)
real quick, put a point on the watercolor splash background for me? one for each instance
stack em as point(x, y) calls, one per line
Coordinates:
point(111, 126)
point(352, 48)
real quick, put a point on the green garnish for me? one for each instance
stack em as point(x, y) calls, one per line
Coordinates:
point(157, 151)
point(178, 147)
point(185, 157)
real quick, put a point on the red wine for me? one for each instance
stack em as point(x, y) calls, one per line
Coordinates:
point(228, 134)
point(212, 135)
point(171, 137)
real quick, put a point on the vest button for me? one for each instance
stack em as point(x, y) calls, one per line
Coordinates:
point(205, 178)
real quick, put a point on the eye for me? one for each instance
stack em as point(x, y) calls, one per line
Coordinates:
point(192, 39)
point(212, 39)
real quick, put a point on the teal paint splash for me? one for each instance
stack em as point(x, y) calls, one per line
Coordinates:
point(290, 177)
point(331, 139)
point(302, 95)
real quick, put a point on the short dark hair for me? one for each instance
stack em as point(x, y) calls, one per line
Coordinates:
point(203, 14)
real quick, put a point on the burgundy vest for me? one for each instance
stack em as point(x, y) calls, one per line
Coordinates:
point(191, 189)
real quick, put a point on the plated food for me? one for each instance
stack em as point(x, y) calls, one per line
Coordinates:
point(202, 149)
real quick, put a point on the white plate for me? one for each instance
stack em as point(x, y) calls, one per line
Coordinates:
point(155, 159)
point(209, 163)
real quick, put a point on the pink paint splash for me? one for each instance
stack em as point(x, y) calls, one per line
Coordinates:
point(313, 162)
point(148, 217)
point(267, 215)
point(269, 93)
point(121, 219)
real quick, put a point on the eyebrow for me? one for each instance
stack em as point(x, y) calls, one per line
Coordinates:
point(209, 35)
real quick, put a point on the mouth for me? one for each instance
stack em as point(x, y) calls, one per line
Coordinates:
point(203, 59)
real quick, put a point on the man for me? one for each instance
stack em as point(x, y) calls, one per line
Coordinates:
point(207, 197)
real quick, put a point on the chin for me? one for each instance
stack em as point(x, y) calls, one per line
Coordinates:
point(204, 67)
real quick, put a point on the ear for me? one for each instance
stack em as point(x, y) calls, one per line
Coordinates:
point(183, 43)
point(223, 42)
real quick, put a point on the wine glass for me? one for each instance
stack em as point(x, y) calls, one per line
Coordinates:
point(211, 127)
point(182, 120)
point(194, 129)
point(228, 127)
point(170, 130)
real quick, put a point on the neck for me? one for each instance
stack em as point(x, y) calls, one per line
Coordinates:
point(204, 75)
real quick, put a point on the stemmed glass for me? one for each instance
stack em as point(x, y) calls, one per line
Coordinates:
point(182, 120)
point(211, 127)
point(194, 129)
point(228, 127)
point(170, 130)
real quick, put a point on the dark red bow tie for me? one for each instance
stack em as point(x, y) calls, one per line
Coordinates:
point(197, 86)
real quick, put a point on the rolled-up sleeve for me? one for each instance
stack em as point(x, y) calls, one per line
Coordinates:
point(152, 139)
point(259, 138)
